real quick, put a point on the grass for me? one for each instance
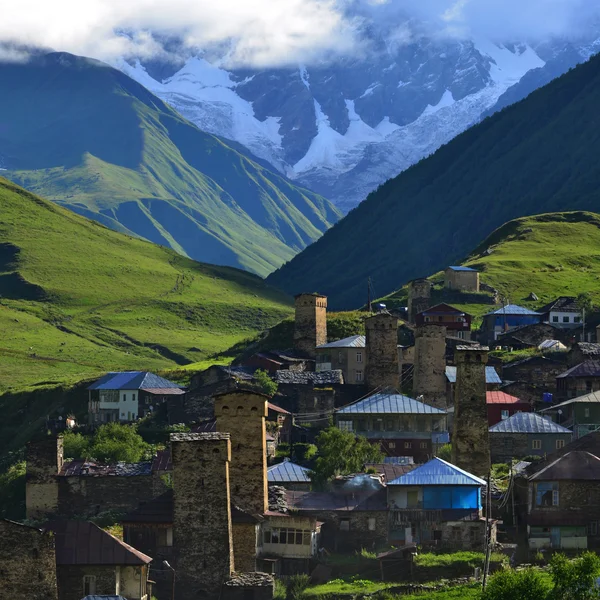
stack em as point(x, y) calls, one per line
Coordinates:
point(466, 558)
point(339, 586)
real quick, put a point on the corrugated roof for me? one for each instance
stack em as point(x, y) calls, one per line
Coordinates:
point(552, 345)
point(288, 472)
point(593, 397)
point(526, 422)
point(164, 391)
point(575, 465)
point(83, 543)
point(391, 471)
point(437, 472)
point(513, 309)
point(459, 268)
point(495, 397)
point(442, 309)
point(390, 403)
point(589, 368)
point(354, 341)
point(132, 380)
point(491, 376)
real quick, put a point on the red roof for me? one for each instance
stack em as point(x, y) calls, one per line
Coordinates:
point(277, 408)
point(501, 398)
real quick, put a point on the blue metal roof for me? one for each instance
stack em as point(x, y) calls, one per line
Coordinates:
point(459, 268)
point(437, 472)
point(288, 472)
point(528, 423)
point(354, 341)
point(132, 380)
point(390, 403)
point(491, 376)
point(513, 309)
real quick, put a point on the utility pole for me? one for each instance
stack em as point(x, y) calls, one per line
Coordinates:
point(488, 531)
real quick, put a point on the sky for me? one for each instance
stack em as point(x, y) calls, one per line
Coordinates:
point(270, 33)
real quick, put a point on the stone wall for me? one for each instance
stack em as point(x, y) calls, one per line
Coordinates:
point(419, 297)
point(244, 546)
point(242, 415)
point(429, 375)
point(71, 580)
point(249, 586)
point(506, 446)
point(467, 281)
point(383, 369)
point(44, 458)
point(465, 535)
point(310, 324)
point(27, 563)
point(202, 532)
point(470, 438)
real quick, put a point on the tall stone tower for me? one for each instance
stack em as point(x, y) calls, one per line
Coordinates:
point(419, 297)
point(202, 536)
point(242, 414)
point(429, 376)
point(470, 440)
point(310, 324)
point(383, 368)
point(44, 458)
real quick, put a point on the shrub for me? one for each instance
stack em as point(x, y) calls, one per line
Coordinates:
point(265, 383)
point(114, 442)
point(509, 584)
point(445, 452)
point(75, 445)
point(280, 590)
point(296, 585)
point(575, 579)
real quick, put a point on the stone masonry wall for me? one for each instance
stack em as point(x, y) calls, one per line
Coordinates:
point(419, 297)
point(383, 369)
point(27, 563)
point(429, 375)
point(242, 414)
point(44, 460)
point(202, 532)
point(310, 324)
point(470, 438)
point(244, 546)
point(70, 580)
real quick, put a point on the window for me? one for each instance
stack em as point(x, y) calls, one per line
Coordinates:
point(592, 528)
point(89, 585)
point(389, 425)
point(286, 536)
point(133, 397)
point(392, 445)
point(345, 425)
point(536, 444)
point(361, 425)
point(344, 524)
point(423, 445)
point(359, 375)
point(371, 524)
point(560, 444)
point(576, 319)
point(555, 319)
point(504, 414)
point(546, 493)
point(377, 425)
point(588, 386)
point(408, 444)
point(359, 357)
point(586, 412)
point(340, 357)
point(427, 319)
point(565, 319)
point(170, 536)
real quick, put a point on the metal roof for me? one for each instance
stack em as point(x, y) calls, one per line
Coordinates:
point(459, 268)
point(354, 341)
point(389, 403)
point(491, 376)
point(589, 368)
point(593, 397)
point(526, 422)
point(133, 380)
point(562, 304)
point(495, 397)
point(575, 465)
point(288, 472)
point(513, 309)
point(437, 472)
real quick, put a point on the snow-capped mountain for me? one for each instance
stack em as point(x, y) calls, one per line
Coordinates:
point(342, 129)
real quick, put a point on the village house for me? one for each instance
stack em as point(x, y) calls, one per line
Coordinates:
point(456, 322)
point(506, 318)
point(289, 475)
point(277, 360)
point(531, 378)
point(437, 504)
point(526, 434)
point(582, 352)
point(564, 503)
point(348, 355)
point(128, 396)
point(562, 312)
point(400, 425)
point(501, 405)
point(460, 278)
point(530, 336)
point(581, 379)
point(581, 414)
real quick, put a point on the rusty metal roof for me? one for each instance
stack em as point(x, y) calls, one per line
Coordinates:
point(83, 543)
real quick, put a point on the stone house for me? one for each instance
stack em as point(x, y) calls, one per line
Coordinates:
point(128, 396)
point(501, 405)
point(348, 355)
point(562, 312)
point(464, 279)
point(564, 503)
point(400, 425)
point(526, 434)
point(531, 378)
point(581, 379)
point(530, 336)
point(581, 414)
point(277, 360)
point(506, 318)
point(27, 563)
point(456, 322)
point(581, 352)
point(437, 504)
point(289, 475)
point(90, 561)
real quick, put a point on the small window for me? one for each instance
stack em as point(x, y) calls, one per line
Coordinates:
point(423, 445)
point(169, 536)
point(371, 524)
point(554, 497)
point(359, 357)
point(133, 397)
point(345, 425)
point(555, 319)
point(586, 411)
point(560, 444)
point(344, 524)
point(588, 387)
point(340, 357)
point(592, 528)
point(389, 425)
point(427, 319)
point(504, 414)
point(392, 445)
point(576, 319)
point(89, 585)
point(408, 445)
point(536, 444)
point(359, 375)
point(566, 320)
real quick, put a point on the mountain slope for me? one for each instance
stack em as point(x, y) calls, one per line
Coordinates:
point(539, 155)
point(87, 136)
point(77, 299)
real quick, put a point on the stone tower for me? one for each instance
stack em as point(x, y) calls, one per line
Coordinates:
point(44, 458)
point(242, 414)
point(202, 536)
point(310, 324)
point(429, 376)
point(383, 368)
point(470, 440)
point(419, 297)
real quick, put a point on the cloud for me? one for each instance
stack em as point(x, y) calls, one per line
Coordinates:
point(278, 32)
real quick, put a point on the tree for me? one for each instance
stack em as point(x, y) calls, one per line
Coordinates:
point(340, 453)
point(445, 452)
point(575, 579)
point(509, 584)
point(114, 442)
point(584, 302)
point(75, 445)
point(265, 383)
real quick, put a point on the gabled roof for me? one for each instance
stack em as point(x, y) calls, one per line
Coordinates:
point(83, 543)
point(587, 398)
point(526, 422)
point(354, 341)
point(459, 268)
point(544, 359)
point(288, 472)
point(389, 402)
point(589, 368)
point(513, 309)
point(278, 409)
point(437, 472)
point(443, 309)
point(135, 380)
point(495, 397)
point(575, 465)
point(562, 304)
point(491, 375)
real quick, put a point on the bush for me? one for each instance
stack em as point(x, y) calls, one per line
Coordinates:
point(296, 585)
point(509, 584)
point(114, 442)
point(575, 579)
point(75, 445)
point(445, 452)
point(265, 383)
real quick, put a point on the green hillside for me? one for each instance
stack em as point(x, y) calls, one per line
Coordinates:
point(77, 299)
point(550, 255)
point(537, 156)
point(85, 135)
